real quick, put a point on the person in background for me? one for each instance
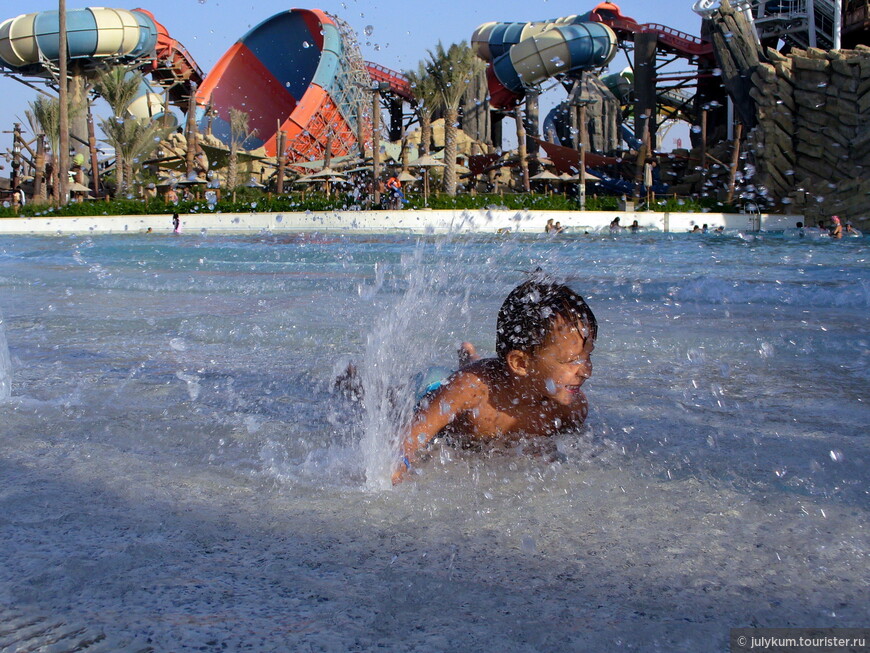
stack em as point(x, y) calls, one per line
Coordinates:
point(837, 228)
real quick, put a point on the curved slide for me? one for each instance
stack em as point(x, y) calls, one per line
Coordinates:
point(289, 73)
point(525, 54)
point(94, 34)
point(294, 72)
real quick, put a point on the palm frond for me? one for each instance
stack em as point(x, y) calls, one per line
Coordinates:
point(452, 70)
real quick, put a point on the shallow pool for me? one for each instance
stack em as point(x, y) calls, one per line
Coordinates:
point(176, 470)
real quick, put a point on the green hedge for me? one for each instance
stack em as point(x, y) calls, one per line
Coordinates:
point(252, 199)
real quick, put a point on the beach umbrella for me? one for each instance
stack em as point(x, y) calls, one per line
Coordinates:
point(426, 161)
point(76, 187)
point(325, 173)
point(406, 177)
point(545, 175)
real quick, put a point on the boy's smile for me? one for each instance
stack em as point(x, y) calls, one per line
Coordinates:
point(562, 364)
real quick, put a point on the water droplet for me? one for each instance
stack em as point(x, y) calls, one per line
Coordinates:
point(836, 455)
point(369, 30)
point(306, 44)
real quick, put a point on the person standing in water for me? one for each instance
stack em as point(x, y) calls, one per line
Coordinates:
point(176, 223)
point(545, 335)
point(837, 228)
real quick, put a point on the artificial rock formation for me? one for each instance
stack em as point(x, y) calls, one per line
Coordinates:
point(808, 111)
point(812, 142)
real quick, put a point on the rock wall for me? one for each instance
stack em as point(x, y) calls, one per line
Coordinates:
point(809, 114)
point(812, 142)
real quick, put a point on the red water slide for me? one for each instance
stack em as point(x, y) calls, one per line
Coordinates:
point(670, 40)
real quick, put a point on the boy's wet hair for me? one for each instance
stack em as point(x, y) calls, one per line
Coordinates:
point(528, 314)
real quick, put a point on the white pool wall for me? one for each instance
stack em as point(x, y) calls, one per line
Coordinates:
point(410, 221)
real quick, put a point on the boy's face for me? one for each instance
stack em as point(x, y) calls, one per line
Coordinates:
point(563, 363)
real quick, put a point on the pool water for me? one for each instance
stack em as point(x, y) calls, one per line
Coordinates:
point(177, 471)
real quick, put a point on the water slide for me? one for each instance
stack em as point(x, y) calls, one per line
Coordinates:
point(525, 54)
point(96, 35)
point(293, 73)
point(521, 55)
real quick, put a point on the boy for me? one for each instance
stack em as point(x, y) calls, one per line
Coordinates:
point(545, 335)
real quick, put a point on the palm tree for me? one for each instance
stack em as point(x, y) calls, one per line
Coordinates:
point(44, 117)
point(428, 99)
point(452, 70)
point(238, 134)
point(118, 86)
point(134, 140)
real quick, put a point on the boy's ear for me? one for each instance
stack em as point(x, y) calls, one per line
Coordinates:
point(517, 362)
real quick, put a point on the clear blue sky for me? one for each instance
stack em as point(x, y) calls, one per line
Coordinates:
point(401, 32)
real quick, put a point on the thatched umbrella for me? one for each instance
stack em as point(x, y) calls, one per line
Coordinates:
point(426, 161)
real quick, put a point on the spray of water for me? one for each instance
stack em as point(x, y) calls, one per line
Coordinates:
point(411, 335)
point(5, 365)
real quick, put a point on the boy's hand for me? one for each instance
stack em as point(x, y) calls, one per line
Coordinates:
point(399, 473)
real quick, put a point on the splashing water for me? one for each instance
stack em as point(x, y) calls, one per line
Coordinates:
point(409, 337)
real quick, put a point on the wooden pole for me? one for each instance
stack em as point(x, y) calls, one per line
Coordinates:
point(360, 130)
point(39, 172)
point(531, 123)
point(641, 157)
point(583, 136)
point(16, 156)
point(327, 153)
point(521, 150)
point(92, 149)
point(735, 160)
point(703, 151)
point(376, 146)
point(62, 157)
point(282, 161)
point(190, 157)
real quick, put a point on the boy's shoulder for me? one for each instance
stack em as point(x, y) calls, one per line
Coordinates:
point(477, 377)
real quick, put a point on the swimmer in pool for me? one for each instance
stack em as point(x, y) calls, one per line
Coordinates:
point(545, 335)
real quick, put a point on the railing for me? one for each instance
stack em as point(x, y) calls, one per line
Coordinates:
point(399, 84)
point(683, 43)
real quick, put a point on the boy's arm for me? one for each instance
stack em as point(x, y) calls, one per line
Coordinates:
point(462, 392)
